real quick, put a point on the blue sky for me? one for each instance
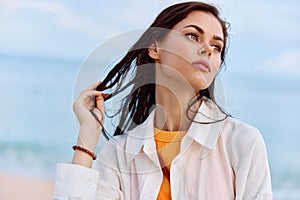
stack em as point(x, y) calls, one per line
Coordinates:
point(263, 33)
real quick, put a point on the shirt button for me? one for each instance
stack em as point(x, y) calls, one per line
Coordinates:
point(91, 184)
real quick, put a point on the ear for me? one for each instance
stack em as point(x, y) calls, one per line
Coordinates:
point(153, 51)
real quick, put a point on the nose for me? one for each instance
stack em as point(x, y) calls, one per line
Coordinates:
point(205, 50)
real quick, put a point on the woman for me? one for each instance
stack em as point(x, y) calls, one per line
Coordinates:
point(172, 139)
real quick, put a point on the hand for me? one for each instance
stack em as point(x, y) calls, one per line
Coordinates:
point(90, 118)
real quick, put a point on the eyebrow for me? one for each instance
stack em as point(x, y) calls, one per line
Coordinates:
point(200, 30)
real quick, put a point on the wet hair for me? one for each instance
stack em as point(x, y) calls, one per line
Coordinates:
point(139, 103)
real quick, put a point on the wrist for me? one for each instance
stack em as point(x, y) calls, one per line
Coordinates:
point(83, 159)
point(87, 151)
point(88, 138)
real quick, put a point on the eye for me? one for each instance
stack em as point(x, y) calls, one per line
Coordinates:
point(217, 48)
point(193, 36)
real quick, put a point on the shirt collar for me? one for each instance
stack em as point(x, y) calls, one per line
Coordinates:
point(207, 134)
point(141, 137)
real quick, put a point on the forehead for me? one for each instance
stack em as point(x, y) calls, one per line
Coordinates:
point(209, 23)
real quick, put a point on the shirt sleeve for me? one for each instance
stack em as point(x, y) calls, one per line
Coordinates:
point(253, 179)
point(78, 182)
point(75, 182)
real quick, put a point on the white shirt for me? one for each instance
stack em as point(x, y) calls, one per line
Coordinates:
point(224, 160)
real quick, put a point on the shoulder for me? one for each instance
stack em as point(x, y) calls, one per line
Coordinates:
point(239, 132)
point(241, 140)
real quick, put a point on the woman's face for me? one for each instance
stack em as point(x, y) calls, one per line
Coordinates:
point(191, 51)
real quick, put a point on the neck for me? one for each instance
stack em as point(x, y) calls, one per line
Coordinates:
point(171, 108)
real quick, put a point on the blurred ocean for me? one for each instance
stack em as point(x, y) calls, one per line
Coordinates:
point(36, 120)
point(37, 128)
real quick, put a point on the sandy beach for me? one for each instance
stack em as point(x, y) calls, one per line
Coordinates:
point(13, 187)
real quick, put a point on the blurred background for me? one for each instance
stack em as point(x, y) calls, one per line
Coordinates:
point(43, 45)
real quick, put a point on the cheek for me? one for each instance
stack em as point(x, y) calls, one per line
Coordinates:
point(174, 53)
point(176, 46)
point(217, 63)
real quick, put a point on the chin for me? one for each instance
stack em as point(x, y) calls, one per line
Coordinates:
point(201, 85)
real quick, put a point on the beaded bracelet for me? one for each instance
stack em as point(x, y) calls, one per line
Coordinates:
point(76, 147)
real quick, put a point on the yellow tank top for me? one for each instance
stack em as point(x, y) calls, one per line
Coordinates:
point(167, 146)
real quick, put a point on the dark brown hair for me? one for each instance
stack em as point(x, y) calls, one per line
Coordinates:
point(141, 100)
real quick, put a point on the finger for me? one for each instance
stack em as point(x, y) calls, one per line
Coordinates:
point(93, 86)
point(105, 95)
point(97, 114)
point(89, 94)
point(92, 98)
point(99, 102)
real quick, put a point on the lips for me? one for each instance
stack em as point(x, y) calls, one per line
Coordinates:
point(202, 65)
